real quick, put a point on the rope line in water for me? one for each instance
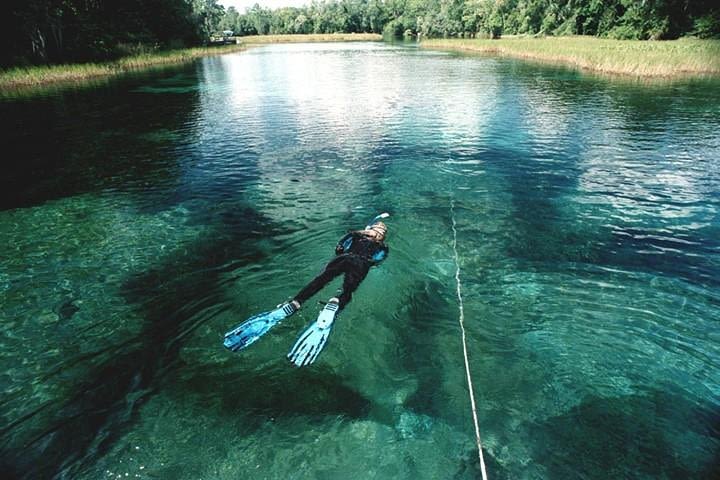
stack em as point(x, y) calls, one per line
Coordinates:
point(461, 320)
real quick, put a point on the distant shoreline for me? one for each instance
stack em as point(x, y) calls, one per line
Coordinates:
point(635, 58)
point(644, 59)
point(312, 37)
point(21, 79)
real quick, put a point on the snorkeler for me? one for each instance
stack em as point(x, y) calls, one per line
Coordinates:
point(355, 254)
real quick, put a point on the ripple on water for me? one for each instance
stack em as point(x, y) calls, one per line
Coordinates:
point(154, 213)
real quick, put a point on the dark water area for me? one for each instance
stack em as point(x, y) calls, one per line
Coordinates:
point(144, 217)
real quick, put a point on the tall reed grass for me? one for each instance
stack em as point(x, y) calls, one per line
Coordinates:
point(28, 77)
point(23, 77)
point(684, 57)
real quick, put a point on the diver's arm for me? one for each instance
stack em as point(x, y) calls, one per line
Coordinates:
point(380, 255)
point(344, 243)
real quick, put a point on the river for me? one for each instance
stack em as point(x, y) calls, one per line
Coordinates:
point(143, 217)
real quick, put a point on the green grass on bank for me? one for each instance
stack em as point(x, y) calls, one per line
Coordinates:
point(28, 77)
point(677, 58)
point(684, 57)
point(313, 37)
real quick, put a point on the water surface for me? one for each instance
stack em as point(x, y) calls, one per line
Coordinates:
point(143, 218)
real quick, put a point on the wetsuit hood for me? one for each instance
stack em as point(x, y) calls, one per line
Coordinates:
point(380, 228)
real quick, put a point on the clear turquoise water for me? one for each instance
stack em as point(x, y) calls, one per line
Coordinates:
point(143, 218)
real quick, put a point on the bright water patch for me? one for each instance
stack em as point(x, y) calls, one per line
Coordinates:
point(145, 218)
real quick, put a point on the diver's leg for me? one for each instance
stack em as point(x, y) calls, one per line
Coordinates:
point(332, 270)
point(354, 275)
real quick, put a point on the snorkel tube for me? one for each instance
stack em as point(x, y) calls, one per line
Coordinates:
point(376, 219)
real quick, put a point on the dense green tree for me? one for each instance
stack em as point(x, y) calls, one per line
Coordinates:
point(47, 31)
point(637, 19)
point(42, 31)
point(230, 20)
point(207, 15)
point(260, 19)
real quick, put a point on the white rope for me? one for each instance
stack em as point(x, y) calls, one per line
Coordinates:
point(464, 342)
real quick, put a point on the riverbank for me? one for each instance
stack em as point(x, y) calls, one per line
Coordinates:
point(652, 59)
point(311, 38)
point(30, 77)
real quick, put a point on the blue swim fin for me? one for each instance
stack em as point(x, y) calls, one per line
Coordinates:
point(255, 327)
point(313, 339)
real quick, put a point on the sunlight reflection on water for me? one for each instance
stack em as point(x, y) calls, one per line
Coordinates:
point(149, 216)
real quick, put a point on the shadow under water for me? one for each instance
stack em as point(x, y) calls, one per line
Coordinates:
point(627, 437)
point(61, 437)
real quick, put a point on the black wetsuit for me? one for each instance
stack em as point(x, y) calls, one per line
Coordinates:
point(355, 254)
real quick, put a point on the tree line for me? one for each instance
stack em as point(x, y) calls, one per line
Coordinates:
point(621, 19)
point(62, 31)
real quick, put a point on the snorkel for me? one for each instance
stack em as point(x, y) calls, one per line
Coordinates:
point(376, 219)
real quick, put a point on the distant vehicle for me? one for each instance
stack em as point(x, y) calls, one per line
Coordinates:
point(225, 39)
